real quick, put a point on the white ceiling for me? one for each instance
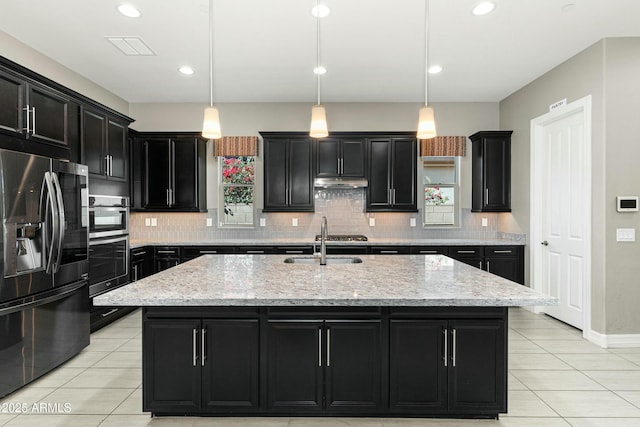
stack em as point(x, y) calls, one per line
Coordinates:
point(264, 50)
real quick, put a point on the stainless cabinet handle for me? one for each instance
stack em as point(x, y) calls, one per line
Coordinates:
point(139, 253)
point(453, 351)
point(106, 165)
point(338, 165)
point(488, 266)
point(446, 347)
point(293, 252)
point(135, 273)
point(428, 252)
point(168, 204)
point(173, 197)
point(195, 340)
point(341, 166)
point(110, 165)
point(33, 128)
point(328, 347)
point(486, 196)
point(255, 252)
point(466, 252)
point(319, 347)
point(203, 346)
point(480, 265)
point(27, 118)
point(110, 312)
point(502, 252)
point(166, 252)
point(208, 252)
point(388, 252)
point(394, 196)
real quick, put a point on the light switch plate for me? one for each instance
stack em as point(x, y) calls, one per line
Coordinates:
point(263, 222)
point(625, 234)
point(412, 222)
point(147, 222)
point(209, 222)
point(372, 222)
point(485, 222)
point(294, 222)
point(154, 222)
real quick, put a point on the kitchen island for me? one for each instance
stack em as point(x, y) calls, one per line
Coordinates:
point(391, 336)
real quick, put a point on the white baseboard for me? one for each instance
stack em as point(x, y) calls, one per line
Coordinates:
point(613, 340)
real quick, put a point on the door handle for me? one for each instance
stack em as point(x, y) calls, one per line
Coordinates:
point(446, 347)
point(51, 205)
point(61, 219)
point(486, 196)
point(544, 243)
point(28, 110)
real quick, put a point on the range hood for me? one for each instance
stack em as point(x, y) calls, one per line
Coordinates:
point(344, 183)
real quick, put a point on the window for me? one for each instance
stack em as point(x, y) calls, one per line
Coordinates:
point(236, 196)
point(440, 179)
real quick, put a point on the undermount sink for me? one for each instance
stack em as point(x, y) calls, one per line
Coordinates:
point(316, 260)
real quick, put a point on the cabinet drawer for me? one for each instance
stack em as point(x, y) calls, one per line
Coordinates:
point(140, 252)
point(191, 252)
point(466, 251)
point(429, 250)
point(389, 250)
point(255, 250)
point(495, 251)
point(307, 249)
point(167, 252)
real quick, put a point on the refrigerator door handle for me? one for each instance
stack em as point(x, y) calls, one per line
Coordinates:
point(51, 205)
point(61, 220)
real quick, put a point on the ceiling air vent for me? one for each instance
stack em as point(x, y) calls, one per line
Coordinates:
point(131, 46)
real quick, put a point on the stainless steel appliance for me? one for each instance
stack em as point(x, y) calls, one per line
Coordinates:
point(108, 243)
point(44, 304)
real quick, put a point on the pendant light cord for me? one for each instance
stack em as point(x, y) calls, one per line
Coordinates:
point(426, 51)
point(211, 53)
point(318, 50)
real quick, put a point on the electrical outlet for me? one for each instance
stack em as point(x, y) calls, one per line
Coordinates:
point(372, 222)
point(154, 222)
point(263, 222)
point(209, 222)
point(485, 222)
point(625, 234)
point(147, 222)
point(294, 222)
point(412, 222)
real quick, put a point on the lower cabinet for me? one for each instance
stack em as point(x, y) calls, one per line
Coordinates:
point(166, 257)
point(364, 361)
point(200, 365)
point(326, 366)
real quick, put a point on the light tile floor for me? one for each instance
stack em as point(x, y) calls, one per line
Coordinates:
point(556, 378)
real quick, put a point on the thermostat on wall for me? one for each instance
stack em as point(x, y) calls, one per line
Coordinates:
point(627, 203)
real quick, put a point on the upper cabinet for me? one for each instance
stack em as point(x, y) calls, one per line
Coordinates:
point(491, 171)
point(288, 173)
point(392, 175)
point(104, 145)
point(172, 172)
point(340, 157)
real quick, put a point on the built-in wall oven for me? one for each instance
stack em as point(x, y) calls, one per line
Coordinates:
point(108, 243)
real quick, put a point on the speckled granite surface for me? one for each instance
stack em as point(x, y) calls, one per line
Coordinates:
point(309, 241)
point(265, 280)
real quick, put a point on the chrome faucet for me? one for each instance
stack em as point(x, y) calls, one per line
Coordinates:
point(323, 241)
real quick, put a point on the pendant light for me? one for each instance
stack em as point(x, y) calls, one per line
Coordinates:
point(318, 127)
point(211, 123)
point(426, 120)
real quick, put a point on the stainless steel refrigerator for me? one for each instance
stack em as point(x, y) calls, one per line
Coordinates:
point(44, 299)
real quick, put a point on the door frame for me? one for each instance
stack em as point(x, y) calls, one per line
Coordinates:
point(580, 106)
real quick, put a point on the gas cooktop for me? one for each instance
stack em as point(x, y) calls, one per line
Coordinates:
point(344, 238)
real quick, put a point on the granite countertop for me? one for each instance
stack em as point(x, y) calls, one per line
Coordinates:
point(265, 280)
point(310, 241)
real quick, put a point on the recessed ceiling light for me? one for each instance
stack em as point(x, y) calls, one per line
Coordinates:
point(186, 70)
point(129, 11)
point(320, 70)
point(320, 11)
point(435, 69)
point(483, 8)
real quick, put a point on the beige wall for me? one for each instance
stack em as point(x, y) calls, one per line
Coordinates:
point(609, 71)
point(24, 55)
point(250, 119)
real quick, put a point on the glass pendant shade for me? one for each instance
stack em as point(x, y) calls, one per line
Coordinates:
point(426, 123)
point(318, 122)
point(211, 124)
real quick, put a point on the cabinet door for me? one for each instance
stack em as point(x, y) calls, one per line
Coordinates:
point(137, 269)
point(404, 174)
point(275, 174)
point(328, 158)
point(231, 365)
point(117, 149)
point(352, 158)
point(497, 176)
point(165, 263)
point(354, 376)
point(477, 374)
point(12, 92)
point(93, 141)
point(157, 173)
point(185, 175)
point(301, 175)
point(506, 267)
point(51, 114)
point(378, 191)
point(171, 365)
point(418, 368)
point(294, 371)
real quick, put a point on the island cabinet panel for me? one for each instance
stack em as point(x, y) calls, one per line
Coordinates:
point(171, 366)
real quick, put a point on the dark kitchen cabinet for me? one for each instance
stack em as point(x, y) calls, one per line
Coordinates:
point(288, 174)
point(455, 366)
point(429, 250)
point(389, 250)
point(141, 261)
point(392, 175)
point(505, 261)
point(207, 365)
point(174, 176)
point(346, 354)
point(192, 252)
point(472, 255)
point(104, 145)
point(491, 171)
point(12, 103)
point(340, 157)
point(166, 257)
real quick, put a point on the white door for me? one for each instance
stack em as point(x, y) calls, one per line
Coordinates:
point(561, 170)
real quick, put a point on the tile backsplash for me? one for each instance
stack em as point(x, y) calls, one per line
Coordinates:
point(345, 214)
